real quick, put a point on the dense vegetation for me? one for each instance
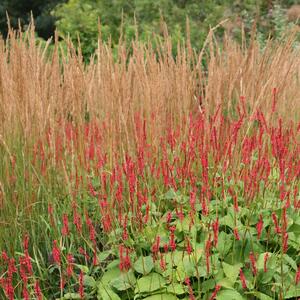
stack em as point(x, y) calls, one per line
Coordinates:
point(138, 176)
point(150, 160)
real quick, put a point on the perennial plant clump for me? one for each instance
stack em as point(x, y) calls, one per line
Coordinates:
point(196, 199)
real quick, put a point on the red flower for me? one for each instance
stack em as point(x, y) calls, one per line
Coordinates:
point(236, 234)
point(207, 253)
point(277, 228)
point(65, 230)
point(56, 253)
point(285, 238)
point(259, 226)
point(38, 291)
point(266, 257)
point(297, 277)
point(243, 279)
point(155, 246)
point(189, 248)
point(214, 294)
point(81, 288)
point(215, 226)
point(162, 262)
point(70, 260)
point(253, 263)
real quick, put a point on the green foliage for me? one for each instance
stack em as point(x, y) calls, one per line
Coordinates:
point(79, 19)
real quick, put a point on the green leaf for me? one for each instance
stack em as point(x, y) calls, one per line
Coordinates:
point(163, 296)
point(176, 288)
point(294, 292)
point(120, 284)
point(124, 282)
point(226, 283)
point(82, 268)
point(224, 243)
point(295, 228)
point(109, 275)
point(144, 265)
point(186, 268)
point(260, 296)
point(150, 283)
point(208, 285)
point(231, 272)
point(229, 294)
point(290, 261)
point(71, 296)
point(174, 258)
point(106, 293)
point(170, 195)
point(103, 255)
point(89, 281)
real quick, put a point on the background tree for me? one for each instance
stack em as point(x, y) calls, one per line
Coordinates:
point(22, 9)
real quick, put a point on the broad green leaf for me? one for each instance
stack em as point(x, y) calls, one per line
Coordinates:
point(164, 296)
point(120, 284)
point(260, 296)
point(113, 264)
point(226, 283)
point(186, 268)
point(82, 268)
point(231, 272)
point(106, 293)
point(268, 276)
point(89, 281)
point(224, 243)
point(176, 288)
point(144, 265)
point(71, 296)
point(208, 285)
point(295, 228)
point(150, 283)
point(290, 261)
point(103, 255)
point(174, 258)
point(294, 292)
point(124, 282)
point(109, 275)
point(228, 220)
point(170, 195)
point(229, 294)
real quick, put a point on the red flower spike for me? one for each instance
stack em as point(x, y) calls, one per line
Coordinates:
point(56, 253)
point(266, 257)
point(38, 291)
point(215, 227)
point(259, 226)
point(162, 262)
point(236, 234)
point(297, 277)
point(191, 293)
point(243, 279)
point(189, 248)
point(214, 294)
point(253, 263)
point(207, 254)
point(81, 288)
point(70, 261)
point(277, 228)
point(285, 237)
point(65, 230)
